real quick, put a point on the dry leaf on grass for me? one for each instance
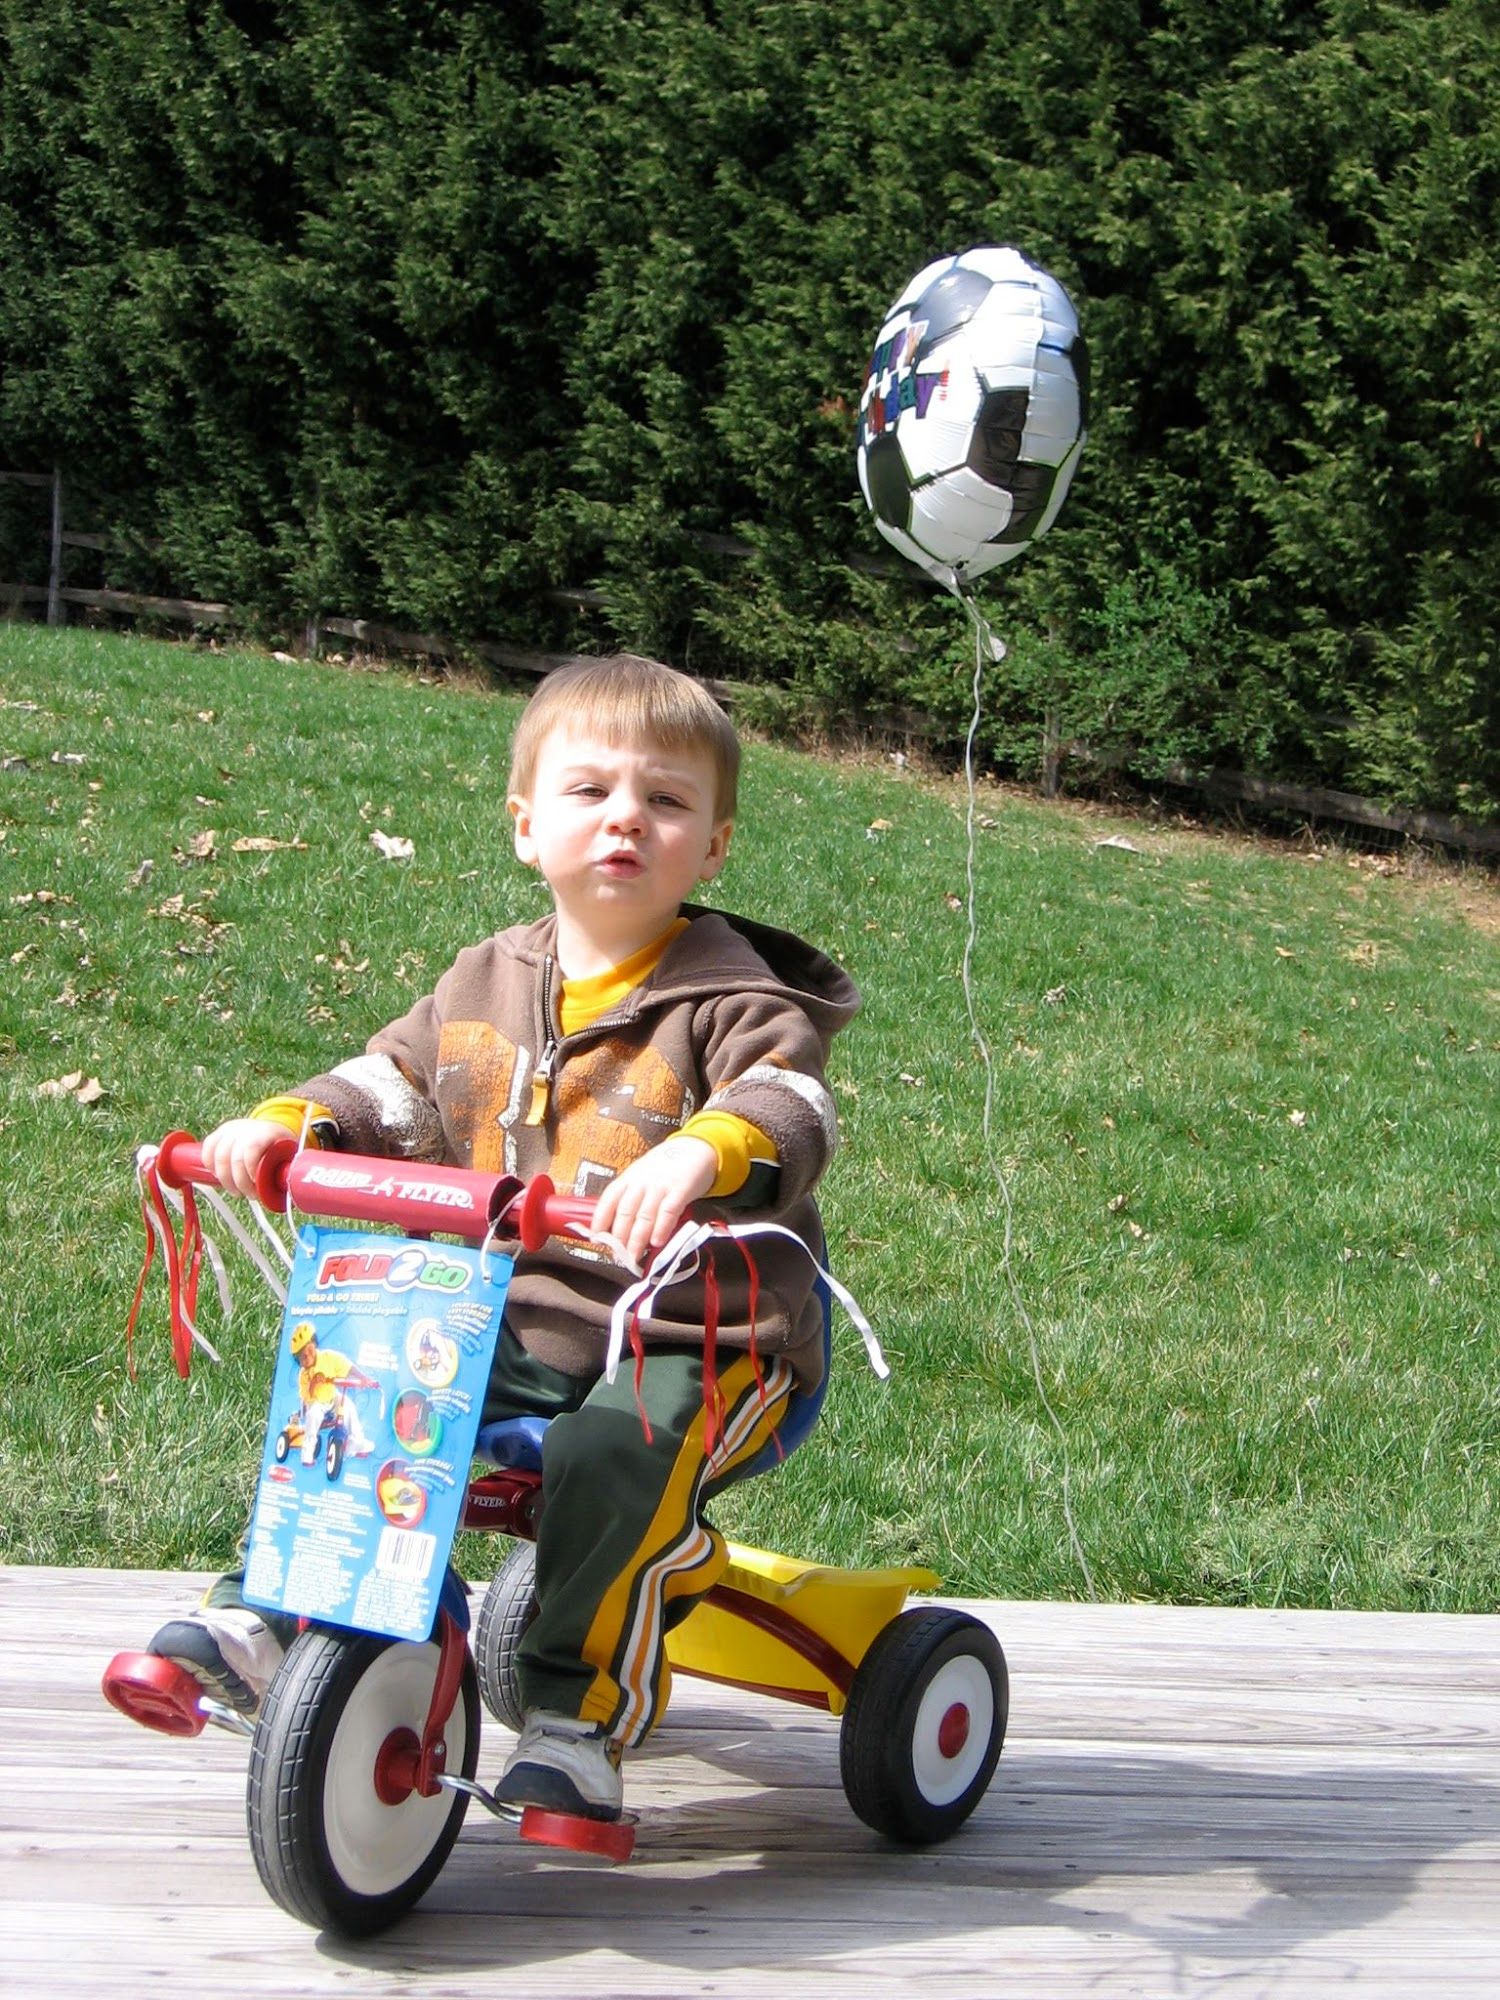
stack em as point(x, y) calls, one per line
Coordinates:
point(84, 1090)
point(262, 843)
point(394, 846)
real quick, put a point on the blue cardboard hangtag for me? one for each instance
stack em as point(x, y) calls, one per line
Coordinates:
point(381, 1366)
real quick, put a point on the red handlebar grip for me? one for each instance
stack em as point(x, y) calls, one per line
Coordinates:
point(543, 1212)
point(569, 1213)
point(178, 1161)
point(270, 1175)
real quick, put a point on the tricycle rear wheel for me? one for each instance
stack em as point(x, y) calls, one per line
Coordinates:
point(508, 1608)
point(330, 1848)
point(925, 1725)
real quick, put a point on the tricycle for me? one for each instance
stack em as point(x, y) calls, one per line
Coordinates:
point(365, 1753)
point(329, 1432)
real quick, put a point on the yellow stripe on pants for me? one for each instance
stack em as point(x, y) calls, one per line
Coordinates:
point(679, 1556)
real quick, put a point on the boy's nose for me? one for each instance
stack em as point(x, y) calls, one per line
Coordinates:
point(626, 813)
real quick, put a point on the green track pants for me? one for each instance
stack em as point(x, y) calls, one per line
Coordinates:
point(623, 1551)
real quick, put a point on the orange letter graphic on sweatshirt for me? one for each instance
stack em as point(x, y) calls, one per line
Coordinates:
point(613, 1101)
point(485, 1088)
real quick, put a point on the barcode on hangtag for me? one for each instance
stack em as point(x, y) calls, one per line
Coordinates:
point(401, 1553)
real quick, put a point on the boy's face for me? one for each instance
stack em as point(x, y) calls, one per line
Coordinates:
point(623, 835)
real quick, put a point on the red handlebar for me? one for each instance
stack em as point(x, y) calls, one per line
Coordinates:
point(454, 1201)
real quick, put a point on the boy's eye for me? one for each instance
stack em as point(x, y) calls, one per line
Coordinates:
point(667, 799)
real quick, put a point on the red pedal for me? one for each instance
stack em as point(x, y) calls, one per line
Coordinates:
point(155, 1692)
point(611, 1839)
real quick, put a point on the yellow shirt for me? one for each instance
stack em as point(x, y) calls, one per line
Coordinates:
point(320, 1382)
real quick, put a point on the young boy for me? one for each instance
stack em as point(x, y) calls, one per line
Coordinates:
point(654, 1055)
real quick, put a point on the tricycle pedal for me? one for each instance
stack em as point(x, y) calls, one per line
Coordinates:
point(610, 1839)
point(157, 1693)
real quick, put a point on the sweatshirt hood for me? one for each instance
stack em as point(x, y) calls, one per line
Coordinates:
point(716, 942)
point(719, 951)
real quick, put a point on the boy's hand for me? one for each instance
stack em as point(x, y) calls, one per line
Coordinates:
point(233, 1151)
point(642, 1207)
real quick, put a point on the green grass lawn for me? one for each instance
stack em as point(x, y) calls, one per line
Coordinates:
point(1245, 1114)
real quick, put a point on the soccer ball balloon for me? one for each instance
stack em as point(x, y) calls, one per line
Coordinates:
point(972, 414)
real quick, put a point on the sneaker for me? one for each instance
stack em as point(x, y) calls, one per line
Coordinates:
point(564, 1766)
point(229, 1652)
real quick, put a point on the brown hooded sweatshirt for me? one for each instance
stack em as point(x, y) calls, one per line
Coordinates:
point(735, 1017)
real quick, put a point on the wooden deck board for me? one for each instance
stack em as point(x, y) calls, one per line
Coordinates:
point(1258, 1803)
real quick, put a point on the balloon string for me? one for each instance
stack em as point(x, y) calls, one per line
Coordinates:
point(987, 645)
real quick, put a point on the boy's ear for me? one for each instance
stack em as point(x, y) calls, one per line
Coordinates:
point(718, 851)
point(520, 811)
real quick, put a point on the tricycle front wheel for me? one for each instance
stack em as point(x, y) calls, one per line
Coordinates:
point(336, 1844)
point(925, 1725)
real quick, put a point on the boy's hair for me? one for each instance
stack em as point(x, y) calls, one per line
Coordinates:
point(629, 699)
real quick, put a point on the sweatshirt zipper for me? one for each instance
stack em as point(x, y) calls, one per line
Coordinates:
point(546, 1062)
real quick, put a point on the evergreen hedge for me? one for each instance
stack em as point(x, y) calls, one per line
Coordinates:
point(432, 313)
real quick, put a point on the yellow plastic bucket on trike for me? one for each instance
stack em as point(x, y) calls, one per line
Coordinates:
point(794, 1629)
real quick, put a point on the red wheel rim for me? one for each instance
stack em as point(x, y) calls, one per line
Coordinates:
point(396, 1767)
point(953, 1730)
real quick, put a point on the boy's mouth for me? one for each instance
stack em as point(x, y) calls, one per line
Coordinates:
point(622, 862)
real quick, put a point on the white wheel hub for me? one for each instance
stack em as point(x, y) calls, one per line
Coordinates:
point(376, 1847)
point(954, 1723)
